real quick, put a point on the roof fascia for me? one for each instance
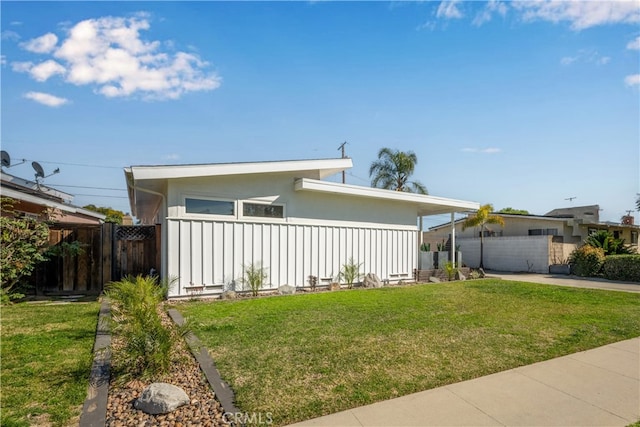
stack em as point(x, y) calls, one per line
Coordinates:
point(306, 184)
point(325, 167)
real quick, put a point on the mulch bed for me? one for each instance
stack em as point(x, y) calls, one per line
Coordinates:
point(203, 410)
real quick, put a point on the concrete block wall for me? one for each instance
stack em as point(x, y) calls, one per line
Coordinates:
point(517, 253)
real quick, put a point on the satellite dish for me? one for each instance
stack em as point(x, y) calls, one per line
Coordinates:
point(6, 159)
point(39, 171)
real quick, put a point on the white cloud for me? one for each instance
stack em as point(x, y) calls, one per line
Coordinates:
point(3, 60)
point(42, 44)
point(21, 67)
point(580, 14)
point(448, 9)
point(634, 44)
point(109, 54)
point(490, 150)
point(588, 56)
point(46, 69)
point(9, 35)
point(46, 99)
point(491, 8)
point(632, 80)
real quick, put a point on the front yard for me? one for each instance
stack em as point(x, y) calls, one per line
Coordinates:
point(46, 360)
point(308, 355)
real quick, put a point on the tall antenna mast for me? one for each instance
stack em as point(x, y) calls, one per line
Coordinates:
point(341, 148)
point(570, 199)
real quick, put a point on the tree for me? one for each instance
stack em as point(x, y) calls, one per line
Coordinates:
point(393, 169)
point(480, 219)
point(22, 246)
point(112, 215)
point(513, 211)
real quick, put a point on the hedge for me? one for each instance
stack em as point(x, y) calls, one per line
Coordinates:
point(622, 267)
point(586, 261)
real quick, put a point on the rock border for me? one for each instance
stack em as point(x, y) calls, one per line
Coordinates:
point(94, 409)
point(221, 389)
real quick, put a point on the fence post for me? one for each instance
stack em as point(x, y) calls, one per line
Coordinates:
point(107, 252)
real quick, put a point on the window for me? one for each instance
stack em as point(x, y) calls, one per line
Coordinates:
point(634, 237)
point(617, 234)
point(262, 211)
point(543, 232)
point(209, 207)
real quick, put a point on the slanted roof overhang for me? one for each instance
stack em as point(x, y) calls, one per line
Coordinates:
point(426, 205)
point(146, 184)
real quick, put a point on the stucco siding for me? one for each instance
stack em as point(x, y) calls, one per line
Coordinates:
point(214, 252)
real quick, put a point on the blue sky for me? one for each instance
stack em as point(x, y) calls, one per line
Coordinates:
point(521, 104)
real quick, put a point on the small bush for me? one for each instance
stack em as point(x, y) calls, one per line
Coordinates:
point(254, 278)
point(451, 269)
point(586, 261)
point(147, 343)
point(622, 267)
point(350, 272)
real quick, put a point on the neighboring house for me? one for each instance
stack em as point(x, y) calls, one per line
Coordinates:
point(217, 219)
point(45, 203)
point(532, 242)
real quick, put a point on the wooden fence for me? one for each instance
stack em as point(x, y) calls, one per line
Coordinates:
point(107, 252)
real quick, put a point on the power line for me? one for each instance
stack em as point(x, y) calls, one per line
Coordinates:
point(100, 195)
point(81, 164)
point(91, 188)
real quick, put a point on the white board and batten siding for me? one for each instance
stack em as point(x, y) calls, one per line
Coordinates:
point(214, 252)
point(317, 236)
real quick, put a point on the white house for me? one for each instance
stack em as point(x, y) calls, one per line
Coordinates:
point(218, 218)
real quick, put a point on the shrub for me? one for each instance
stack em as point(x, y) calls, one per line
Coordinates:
point(350, 272)
point(22, 246)
point(586, 261)
point(451, 269)
point(622, 267)
point(255, 277)
point(313, 281)
point(610, 245)
point(146, 343)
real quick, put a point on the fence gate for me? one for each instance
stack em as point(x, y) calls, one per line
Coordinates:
point(136, 250)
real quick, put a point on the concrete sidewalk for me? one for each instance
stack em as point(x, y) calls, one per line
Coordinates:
point(599, 387)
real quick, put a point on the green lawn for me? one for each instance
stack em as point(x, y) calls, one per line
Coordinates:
point(46, 361)
point(307, 355)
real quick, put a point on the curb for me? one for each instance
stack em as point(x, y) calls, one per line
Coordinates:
point(94, 410)
point(220, 388)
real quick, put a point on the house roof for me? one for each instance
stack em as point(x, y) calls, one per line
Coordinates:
point(427, 205)
point(148, 183)
point(20, 189)
point(546, 217)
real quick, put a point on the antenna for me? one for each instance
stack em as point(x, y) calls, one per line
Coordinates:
point(570, 199)
point(6, 160)
point(341, 148)
point(39, 172)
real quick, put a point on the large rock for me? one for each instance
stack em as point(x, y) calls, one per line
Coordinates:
point(434, 279)
point(286, 290)
point(229, 295)
point(460, 276)
point(371, 280)
point(161, 398)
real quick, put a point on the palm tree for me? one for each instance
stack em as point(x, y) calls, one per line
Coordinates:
point(482, 217)
point(392, 171)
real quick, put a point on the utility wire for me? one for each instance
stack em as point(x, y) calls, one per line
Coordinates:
point(91, 188)
point(99, 195)
point(80, 164)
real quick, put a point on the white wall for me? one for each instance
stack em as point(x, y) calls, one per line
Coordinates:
point(525, 253)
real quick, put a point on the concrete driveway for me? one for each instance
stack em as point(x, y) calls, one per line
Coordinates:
point(572, 281)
